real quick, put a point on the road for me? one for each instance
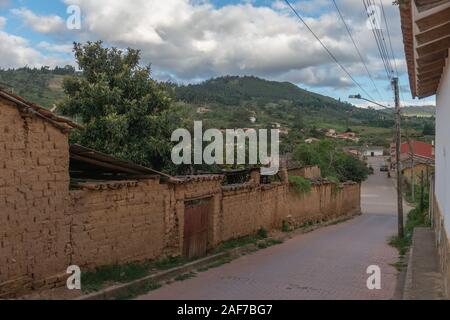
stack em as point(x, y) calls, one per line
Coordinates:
point(329, 263)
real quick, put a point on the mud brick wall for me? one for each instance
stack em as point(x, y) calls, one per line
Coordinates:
point(119, 226)
point(45, 227)
point(312, 172)
point(194, 190)
point(34, 194)
point(245, 210)
point(325, 201)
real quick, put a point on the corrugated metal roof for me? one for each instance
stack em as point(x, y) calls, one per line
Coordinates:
point(98, 159)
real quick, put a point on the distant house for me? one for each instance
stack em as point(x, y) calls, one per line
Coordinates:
point(348, 136)
point(284, 131)
point(331, 133)
point(276, 125)
point(354, 151)
point(415, 168)
point(203, 110)
point(373, 151)
point(252, 119)
point(417, 149)
point(311, 140)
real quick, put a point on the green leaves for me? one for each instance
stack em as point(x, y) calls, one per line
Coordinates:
point(331, 161)
point(125, 113)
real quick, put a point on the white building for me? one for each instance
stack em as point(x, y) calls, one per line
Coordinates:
point(373, 151)
point(426, 35)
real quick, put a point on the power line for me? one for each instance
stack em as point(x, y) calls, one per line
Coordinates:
point(385, 47)
point(357, 49)
point(389, 36)
point(326, 49)
point(380, 41)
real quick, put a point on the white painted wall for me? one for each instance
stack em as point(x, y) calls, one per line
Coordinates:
point(443, 145)
point(377, 152)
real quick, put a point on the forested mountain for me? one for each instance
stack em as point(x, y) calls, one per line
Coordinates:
point(232, 100)
point(41, 86)
point(229, 101)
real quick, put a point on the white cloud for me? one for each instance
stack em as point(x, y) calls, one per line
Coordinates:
point(195, 40)
point(198, 40)
point(16, 52)
point(39, 23)
point(58, 48)
point(2, 22)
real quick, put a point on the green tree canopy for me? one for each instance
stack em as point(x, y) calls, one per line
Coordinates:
point(125, 113)
point(333, 163)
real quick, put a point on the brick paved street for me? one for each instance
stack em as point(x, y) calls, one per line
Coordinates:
point(329, 263)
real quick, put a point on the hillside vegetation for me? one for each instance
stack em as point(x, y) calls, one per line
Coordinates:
point(41, 86)
point(232, 102)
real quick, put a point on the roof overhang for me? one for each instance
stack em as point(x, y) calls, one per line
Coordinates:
point(426, 37)
point(26, 107)
point(89, 163)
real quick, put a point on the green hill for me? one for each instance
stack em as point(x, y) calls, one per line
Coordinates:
point(41, 86)
point(419, 111)
point(223, 102)
point(230, 102)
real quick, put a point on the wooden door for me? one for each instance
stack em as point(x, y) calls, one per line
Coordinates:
point(196, 228)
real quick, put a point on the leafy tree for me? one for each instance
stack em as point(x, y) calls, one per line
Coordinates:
point(332, 162)
point(125, 113)
point(429, 129)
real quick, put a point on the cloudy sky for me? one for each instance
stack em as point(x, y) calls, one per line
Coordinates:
point(192, 40)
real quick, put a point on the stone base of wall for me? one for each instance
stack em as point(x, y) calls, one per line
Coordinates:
point(443, 244)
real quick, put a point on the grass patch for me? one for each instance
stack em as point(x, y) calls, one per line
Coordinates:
point(262, 233)
point(268, 243)
point(94, 280)
point(416, 218)
point(215, 264)
point(169, 263)
point(285, 227)
point(185, 276)
point(137, 291)
point(236, 243)
point(300, 185)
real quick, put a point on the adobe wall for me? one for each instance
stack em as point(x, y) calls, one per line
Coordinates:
point(34, 194)
point(246, 209)
point(325, 201)
point(45, 227)
point(311, 172)
point(119, 226)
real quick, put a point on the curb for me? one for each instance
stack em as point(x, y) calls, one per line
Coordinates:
point(408, 277)
point(115, 290)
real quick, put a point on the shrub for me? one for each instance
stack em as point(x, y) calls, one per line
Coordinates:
point(262, 233)
point(300, 184)
point(285, 227)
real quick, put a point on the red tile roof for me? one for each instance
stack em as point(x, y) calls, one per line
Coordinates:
point(419, 148)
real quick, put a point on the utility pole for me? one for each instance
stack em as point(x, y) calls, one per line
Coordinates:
point(422, 186)
point(397, 156)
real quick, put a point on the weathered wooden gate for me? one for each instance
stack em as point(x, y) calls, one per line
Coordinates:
point(196, 228)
